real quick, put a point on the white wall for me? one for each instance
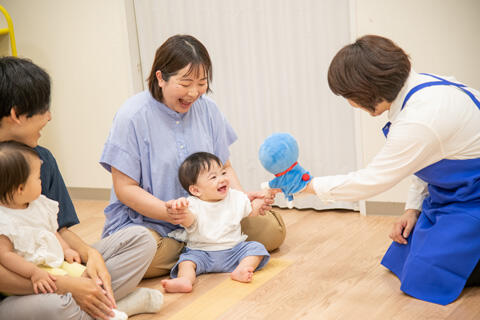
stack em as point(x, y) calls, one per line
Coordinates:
point(441, 37)
point(84, 47)
point(269, 75)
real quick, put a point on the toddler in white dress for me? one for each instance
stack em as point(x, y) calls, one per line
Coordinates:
point(29, 242)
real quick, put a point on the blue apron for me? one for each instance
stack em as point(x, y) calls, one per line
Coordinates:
point(444, 247)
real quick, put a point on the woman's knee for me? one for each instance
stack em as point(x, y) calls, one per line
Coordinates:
point(167, 252)
point(143, 237)
point(269, 230)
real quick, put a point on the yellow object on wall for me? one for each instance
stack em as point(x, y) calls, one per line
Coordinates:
point(9, 31)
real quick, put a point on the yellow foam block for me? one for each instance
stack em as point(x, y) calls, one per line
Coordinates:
point(71, 269)
point(229, 292)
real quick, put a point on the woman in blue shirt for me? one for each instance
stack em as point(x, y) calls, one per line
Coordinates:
point(153, 132)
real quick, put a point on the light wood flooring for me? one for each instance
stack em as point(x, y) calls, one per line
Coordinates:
point(335, 274)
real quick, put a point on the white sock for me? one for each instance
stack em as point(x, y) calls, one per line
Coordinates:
point(142, 300)
point(119, 315)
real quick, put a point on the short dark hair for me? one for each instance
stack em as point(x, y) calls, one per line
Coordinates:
point(193, 165)
point(175, 54)
point(14, 167)
point(368, 71)
point(23, 86)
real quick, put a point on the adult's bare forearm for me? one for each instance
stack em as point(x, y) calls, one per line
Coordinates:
point(129, 192)
point(76, 243)
point(142, 202)
point(13, 283)
point(17, 264)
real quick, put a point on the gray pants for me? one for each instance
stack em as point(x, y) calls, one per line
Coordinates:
point(127, 254)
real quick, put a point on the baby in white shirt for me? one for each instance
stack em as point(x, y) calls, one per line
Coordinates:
point(213, 235)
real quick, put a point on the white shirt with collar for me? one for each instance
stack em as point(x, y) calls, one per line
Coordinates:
point(438, 122)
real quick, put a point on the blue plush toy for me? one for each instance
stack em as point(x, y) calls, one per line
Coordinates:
point(278, 155)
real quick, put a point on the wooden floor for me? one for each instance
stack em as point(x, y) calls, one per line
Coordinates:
point(335, 274)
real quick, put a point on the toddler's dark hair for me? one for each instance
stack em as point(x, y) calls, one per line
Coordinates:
point(14, 167)
point(193, 165)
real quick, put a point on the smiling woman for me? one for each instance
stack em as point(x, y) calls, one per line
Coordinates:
point(181, 62)
point(183, 89)
point(153, 132)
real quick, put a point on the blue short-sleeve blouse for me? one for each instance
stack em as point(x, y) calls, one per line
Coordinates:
point(148, 141)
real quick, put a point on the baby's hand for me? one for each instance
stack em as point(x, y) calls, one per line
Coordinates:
point(257, 207)
point(177, 210)
point(43, 282)
point(72, 256)
point(180, 203)
point(267, 197)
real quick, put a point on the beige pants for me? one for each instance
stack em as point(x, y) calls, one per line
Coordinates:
point(268, 229)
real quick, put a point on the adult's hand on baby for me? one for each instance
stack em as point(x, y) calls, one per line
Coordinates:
point(257, 205)
point(43, 282)
point(98, 272)
point(271, 193)
point(403, 226)
point(72, 256)
point(268, 197)
point(177, 210)
point(179, 204)
point(90, 297)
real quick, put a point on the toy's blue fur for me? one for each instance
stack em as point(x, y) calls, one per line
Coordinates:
point(278, 153)
point(291, 182)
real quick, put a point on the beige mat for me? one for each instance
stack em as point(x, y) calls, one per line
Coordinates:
point(226, 294)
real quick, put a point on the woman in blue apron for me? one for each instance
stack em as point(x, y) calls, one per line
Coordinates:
point(434, 136)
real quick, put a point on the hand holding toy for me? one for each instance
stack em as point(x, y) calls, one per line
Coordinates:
point(278, 155)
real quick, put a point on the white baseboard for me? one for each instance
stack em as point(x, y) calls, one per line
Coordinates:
point(375, 208)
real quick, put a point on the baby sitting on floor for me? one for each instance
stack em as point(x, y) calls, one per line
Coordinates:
point(213, 236)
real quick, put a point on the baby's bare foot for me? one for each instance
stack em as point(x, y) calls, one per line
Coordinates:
point(183, 285)
point(242, 274)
